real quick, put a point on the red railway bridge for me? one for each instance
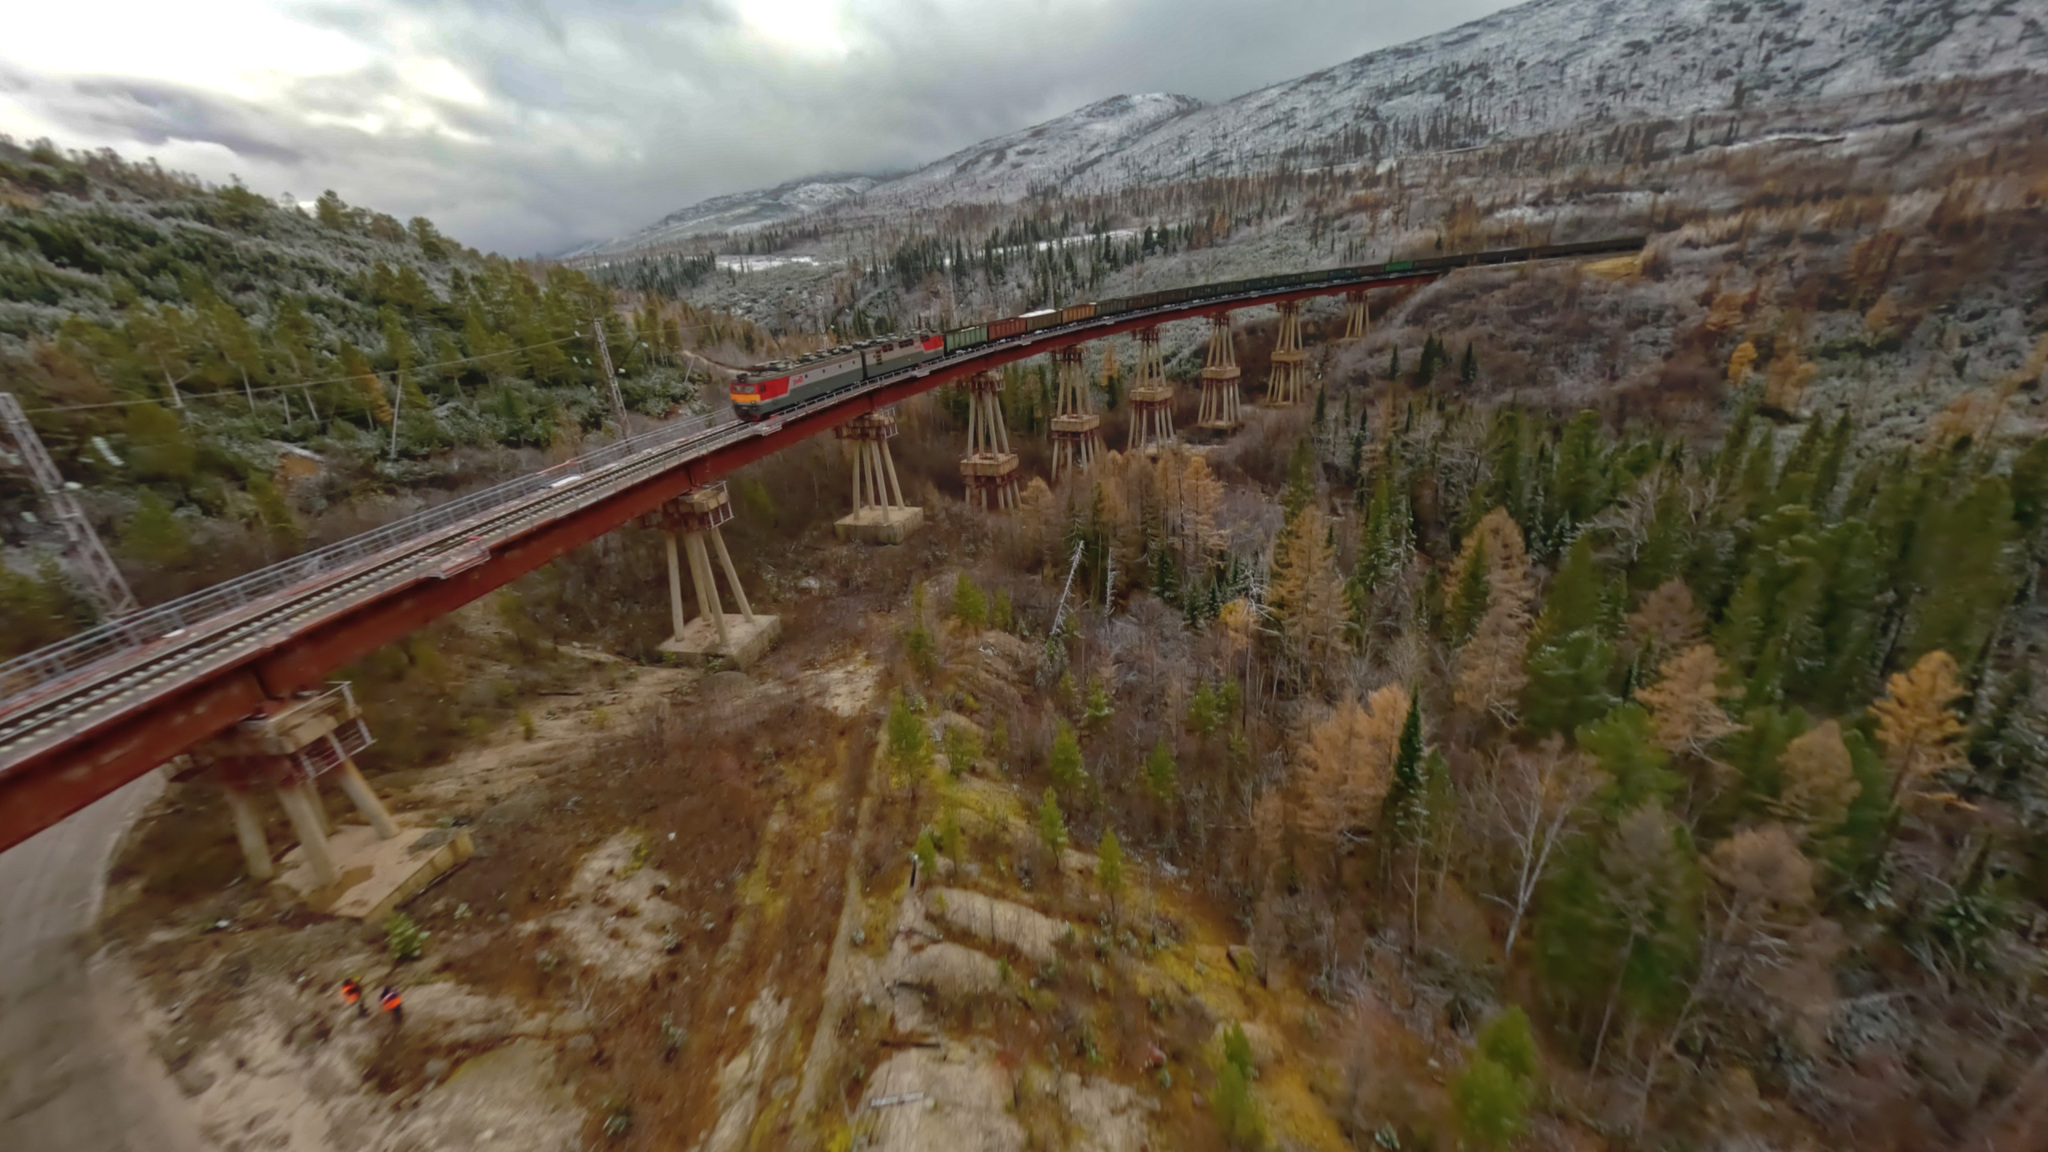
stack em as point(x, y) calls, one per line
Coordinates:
point(83, 717)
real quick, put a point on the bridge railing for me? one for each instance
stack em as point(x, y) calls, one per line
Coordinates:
point(31, 670)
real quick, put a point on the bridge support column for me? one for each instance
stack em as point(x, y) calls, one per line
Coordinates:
point(249, 832)
point(1151, 397)
point(1219, 413)
point(989, 470)
point(880, 514)
point(1076, 429)
point(361, 870)
point(1357, 318)
point(1284, 386)
point(714, 634)
point(307, 820)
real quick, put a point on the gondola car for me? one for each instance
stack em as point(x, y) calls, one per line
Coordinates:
point(766, 389)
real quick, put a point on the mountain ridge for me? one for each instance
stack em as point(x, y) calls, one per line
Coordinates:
point(1532, 68)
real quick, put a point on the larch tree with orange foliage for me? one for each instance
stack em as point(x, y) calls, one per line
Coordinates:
point(1667, 622)
point(1686, 712)
point(1819, 780)
point(1490, 668)
point(1307, 597)
point(1916, 725)
point(1347, 767)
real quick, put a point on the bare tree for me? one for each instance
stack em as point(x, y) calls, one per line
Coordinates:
point(1538, 799)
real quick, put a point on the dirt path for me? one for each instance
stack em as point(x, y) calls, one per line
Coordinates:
point(75, 1068)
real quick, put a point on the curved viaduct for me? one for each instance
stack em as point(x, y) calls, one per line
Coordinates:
point(83, 717)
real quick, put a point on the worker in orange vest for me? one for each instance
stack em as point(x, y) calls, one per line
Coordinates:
point(352, 995)
point(389, 1001)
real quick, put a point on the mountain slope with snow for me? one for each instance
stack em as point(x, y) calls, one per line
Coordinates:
point(1550, 64)
point(738, 212)
point(1056, 152)
point(1533, 68)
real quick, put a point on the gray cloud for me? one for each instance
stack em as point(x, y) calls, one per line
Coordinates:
point(599, 116)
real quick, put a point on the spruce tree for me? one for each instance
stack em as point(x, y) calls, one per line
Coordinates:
point(1063, 763)
point(1574, 600)
point(1469, 598)
point(1468, 368)
point(1568, 682)
point(1162, 778)
point(1052, 824)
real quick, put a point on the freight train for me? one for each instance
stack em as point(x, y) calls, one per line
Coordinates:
point(766, 389)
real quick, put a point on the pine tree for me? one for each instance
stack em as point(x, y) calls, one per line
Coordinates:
point(1052, 824)
point(909, 747)
point(1573, 603)
point(1162, 779)
point(1301, 479)
point(1618, 926)
point(1384, 546)
point(1063, 763)
point(1567, 683)
point(1098, 709)
point(970, 607)
point(1491, 1103)
point(1506, 1041)
point(1638, 772)
point(1109, 868)
point(1468, 596)
point(1468, 367)
point(1405, 782)
point(1579, 484)
point(1961, 566)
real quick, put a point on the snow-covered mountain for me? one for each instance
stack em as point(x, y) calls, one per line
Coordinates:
point(739, 212)
point(1533, 68)
point(1549, 64)
point(1051, 154)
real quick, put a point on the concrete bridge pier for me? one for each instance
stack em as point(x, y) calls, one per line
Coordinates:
point(1220, 413)
point(1151, 397)
point(361, 870)
point(880, 514)
point(989, 470)
point(1284, 387)
point(1076, 428)
point(714, 634)
point(1357, 318)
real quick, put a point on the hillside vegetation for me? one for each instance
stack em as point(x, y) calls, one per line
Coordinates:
point(229, 377)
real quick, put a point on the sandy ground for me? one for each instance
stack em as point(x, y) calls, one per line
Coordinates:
point(75, 1069)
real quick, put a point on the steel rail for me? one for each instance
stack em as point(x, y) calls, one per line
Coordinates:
point(103, 715)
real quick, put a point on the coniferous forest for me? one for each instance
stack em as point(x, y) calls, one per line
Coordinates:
point(1612, 715)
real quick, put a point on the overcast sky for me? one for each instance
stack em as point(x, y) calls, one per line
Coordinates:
point(526, 125)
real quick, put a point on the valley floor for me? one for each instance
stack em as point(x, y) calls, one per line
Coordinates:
point(691, 922)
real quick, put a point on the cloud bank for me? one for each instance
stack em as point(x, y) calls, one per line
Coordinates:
point(525, 126)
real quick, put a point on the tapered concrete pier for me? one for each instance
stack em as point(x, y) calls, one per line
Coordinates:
point(715, 634)
point(880, 514)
